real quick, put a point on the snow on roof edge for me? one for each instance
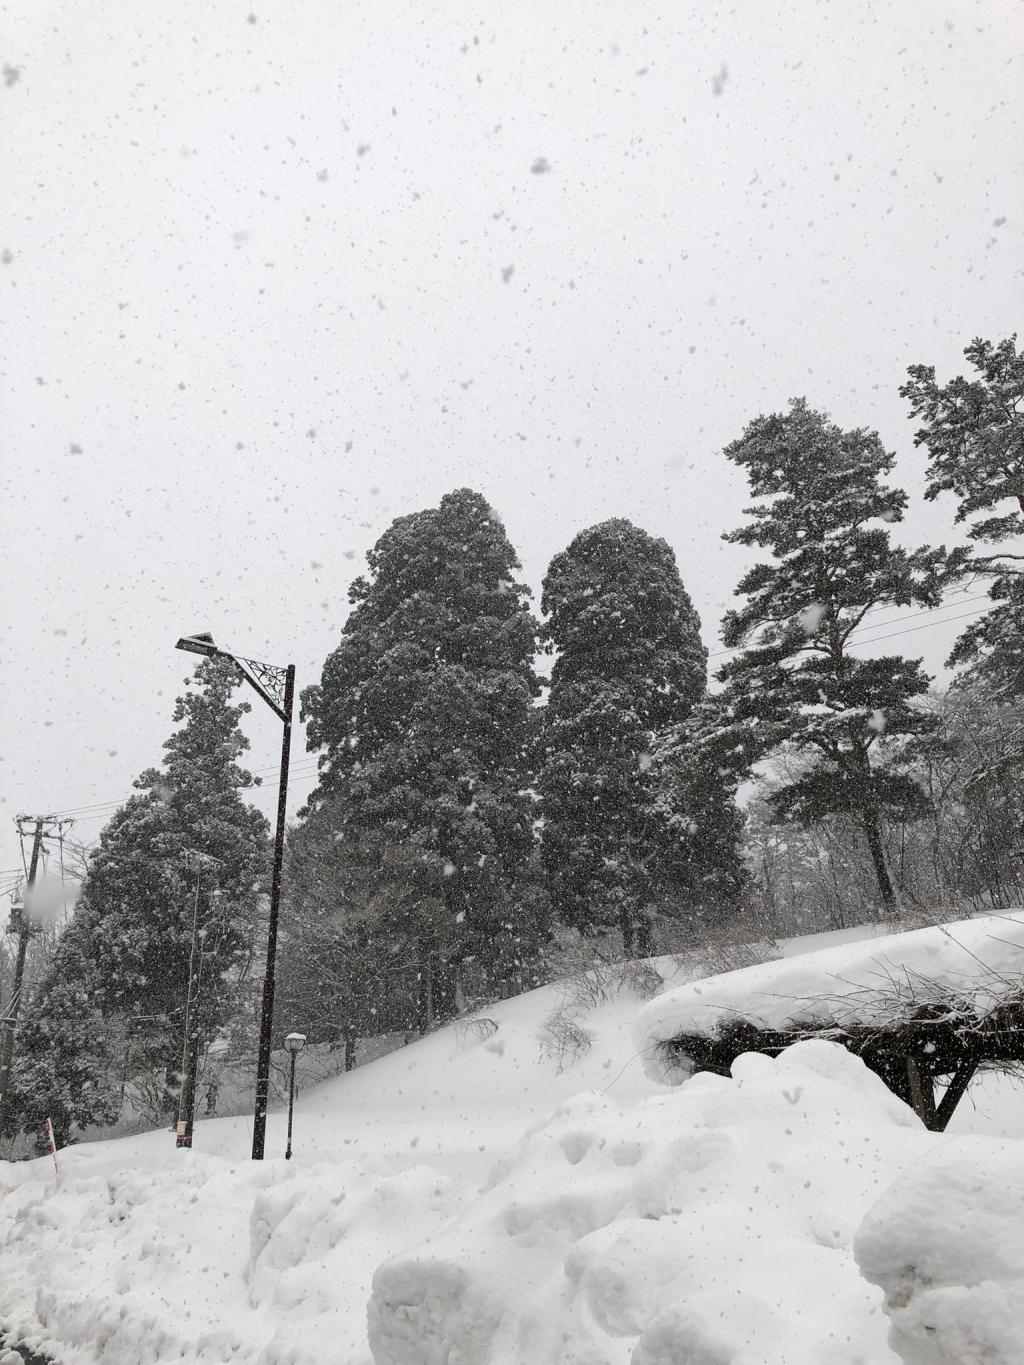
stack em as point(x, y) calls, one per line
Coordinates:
point(980, 961)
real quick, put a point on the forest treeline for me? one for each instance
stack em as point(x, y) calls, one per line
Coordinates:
point(474, 820)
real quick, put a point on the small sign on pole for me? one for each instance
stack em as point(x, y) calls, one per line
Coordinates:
point(53, 1147)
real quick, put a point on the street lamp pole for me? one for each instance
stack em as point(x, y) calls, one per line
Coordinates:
point(294, 1042)
point(276, 686)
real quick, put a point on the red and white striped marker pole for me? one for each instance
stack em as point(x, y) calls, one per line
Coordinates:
point(53, 1148)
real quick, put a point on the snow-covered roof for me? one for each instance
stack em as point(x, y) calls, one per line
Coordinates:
point(978, 961)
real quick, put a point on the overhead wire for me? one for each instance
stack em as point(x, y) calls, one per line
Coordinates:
point(910, 616)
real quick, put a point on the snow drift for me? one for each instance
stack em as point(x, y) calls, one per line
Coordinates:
point(631, 1224)
point(711, 1224)
point(946, 1244)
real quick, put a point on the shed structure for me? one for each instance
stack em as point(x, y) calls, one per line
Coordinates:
point(925, 1009)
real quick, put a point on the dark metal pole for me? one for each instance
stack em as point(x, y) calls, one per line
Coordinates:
point(291, 1106)
point(259, 1127)
point(187, 1104)
point(10, 1020)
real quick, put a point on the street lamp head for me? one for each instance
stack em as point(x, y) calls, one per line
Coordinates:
point(200, 643)
point(295, 1042)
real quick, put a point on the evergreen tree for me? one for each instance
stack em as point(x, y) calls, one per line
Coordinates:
point(185, 851)
point(629, 663)
point(972, 771)
point(795, 682)
point(67, 1060)
point(360, 927)
point(973, 430)
point(425, 715)
point(701, 828)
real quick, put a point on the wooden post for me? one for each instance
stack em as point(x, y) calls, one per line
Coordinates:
point(958, 1083)
point(922, 1093)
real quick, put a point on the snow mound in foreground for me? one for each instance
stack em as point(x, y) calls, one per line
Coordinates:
point(712, 1225)
point(872, 981)
point(210, 1263)
point(946, 1243)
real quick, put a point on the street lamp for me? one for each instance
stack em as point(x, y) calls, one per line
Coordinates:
point(294, 1042)
point(276, 686)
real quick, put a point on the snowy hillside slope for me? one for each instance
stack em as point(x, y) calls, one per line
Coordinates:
point(146, 1254)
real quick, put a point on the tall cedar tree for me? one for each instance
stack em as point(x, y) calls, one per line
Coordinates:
point(629, 663)
point(795, 681)
point(425, 713)
point(973, 430)
point(121, 970)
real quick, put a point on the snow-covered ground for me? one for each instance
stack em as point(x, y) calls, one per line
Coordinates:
point(512, 1193)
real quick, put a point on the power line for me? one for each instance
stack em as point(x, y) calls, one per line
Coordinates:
point(912, 629)
point(308, 767)
point(943, 606)
point(911, 616)
point(114, 805)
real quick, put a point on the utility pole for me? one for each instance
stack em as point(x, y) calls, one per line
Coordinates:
point(9, 1022)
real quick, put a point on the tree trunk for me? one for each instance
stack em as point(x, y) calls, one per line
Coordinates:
point(644, 937)
point(873, 834)
point(350, 1053)
point(187, 1100)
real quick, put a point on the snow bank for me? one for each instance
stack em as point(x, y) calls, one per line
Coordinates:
point(946, 1243)
point(205, 1261)
point(865, 982)
point(709, 1223)
point(712, 1224)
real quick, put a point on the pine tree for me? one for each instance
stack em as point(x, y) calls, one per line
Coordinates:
point(425, 715)
point(973, 430)
point(795, 682)
point(186, 849)
point(629, 663)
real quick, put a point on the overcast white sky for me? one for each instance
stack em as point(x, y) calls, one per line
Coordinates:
point(274, 274)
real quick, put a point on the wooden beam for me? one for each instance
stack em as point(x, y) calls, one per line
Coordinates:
point(922, 1093)
point(959, 1082)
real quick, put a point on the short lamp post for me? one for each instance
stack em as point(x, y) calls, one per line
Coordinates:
point(276, 686)
point(294, 1042)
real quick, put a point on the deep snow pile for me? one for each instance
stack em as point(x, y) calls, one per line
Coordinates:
point(201, 1260)
point(147, 1254)
point(711, 1224)
point(946, 1243)
point(979, 961)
